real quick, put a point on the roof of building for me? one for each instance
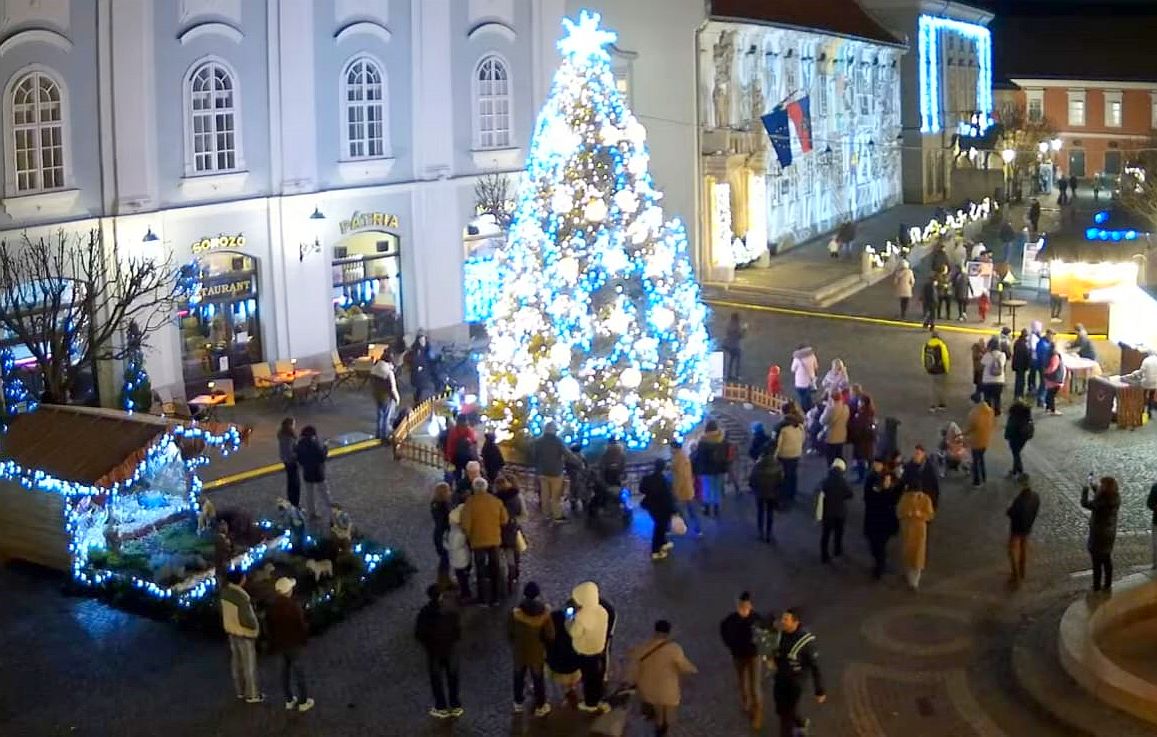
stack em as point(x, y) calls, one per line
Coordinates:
point(96, 447)
point(1078, 47)
point(839, 17)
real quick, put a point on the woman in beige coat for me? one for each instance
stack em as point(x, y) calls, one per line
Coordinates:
point(655, 668)
point(683, 486)
point(915, 512)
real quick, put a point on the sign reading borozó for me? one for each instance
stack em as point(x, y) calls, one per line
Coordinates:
point(219, 242)
point(369, 221)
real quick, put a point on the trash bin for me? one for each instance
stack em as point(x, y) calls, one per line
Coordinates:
point(891, 441)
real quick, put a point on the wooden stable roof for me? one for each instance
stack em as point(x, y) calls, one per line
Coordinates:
point(97, 447)
point(839, 17)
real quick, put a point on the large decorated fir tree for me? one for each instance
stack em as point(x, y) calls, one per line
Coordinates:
point(14, 396)
point(599, 327)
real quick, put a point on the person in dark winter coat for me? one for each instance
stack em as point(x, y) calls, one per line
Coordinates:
point(928, 301)
point(796, 656)
point(961, 292)
point(759, 440)
point(561, 658)
point(288, 633)
point(862, 434)
point(492, 460)
point(287, 451)
point(311, 456)
point(920, 473)
point(881, 495)
point(421, 364)
point(507, 491)
point(659, 502)
point(1018, 431)
point(738, 630)
point(1034, 215)
point(530, 630)
point(1104, 504)
point(1021, 516)
point(837, 491)
point(440, 513)
point(766, 481)
point(439, 630)
point(1021, 363)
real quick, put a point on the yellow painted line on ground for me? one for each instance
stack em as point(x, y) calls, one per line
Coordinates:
point(278, 468)
point(940, 327)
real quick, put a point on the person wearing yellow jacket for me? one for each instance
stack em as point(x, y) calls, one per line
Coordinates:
point(937, 364)
point(978, 431)
point(683, 485)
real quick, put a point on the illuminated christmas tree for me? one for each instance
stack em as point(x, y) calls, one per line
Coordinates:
point(137, 390)
point(599, 326)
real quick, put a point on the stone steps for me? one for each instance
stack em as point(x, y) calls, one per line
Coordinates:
point(1038, 672)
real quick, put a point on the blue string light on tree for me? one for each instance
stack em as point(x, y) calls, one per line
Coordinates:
point(17, 398)
point(599, 326)
point(136, 390)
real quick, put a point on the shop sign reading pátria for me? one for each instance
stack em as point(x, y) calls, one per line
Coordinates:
point(369, 221)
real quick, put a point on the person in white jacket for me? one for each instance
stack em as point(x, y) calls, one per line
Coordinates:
point(992, 374)
point(588, 627)
point(1146, 375)
point(804, 367)
point(458, 549)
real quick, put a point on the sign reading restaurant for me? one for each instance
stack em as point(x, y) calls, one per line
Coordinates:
point(227, 288)
point(369, 221)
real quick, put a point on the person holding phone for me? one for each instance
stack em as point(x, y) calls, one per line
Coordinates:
point(1104, 504)
point(588, 624)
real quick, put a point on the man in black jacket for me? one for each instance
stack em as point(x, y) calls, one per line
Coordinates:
point(795, 656)
point(439, 631)
point(1021, 363)
point(1021, 516)
point(1151, 503)
point(659, 502)
point(920, 473)
point(738, 632)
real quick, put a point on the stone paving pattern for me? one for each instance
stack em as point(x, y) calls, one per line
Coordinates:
point(897, 663)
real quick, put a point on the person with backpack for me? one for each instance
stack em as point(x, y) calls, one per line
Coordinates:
point(937, 363)
point(765, 482)
point(1018, 430)
point(1042, 354)
point(712, 463)
point(992, 374)
point(1054, 379)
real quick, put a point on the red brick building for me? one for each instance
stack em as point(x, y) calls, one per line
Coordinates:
point(1098, 121)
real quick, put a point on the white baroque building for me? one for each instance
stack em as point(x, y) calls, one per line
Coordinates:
point(315, 159)
point(748, 67)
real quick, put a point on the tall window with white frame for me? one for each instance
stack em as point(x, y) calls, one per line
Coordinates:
point(364, 99)
point(37, 120)
point(213, 114)
point(492, 100)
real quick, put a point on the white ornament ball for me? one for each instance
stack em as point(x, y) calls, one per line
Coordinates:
point(562, 202)
point(619, 415)
point(568, 389)
point(636, 132)
point(627, 201)
point(560, 355)
point(595, 211)
point(527, 384)
point(637, 164)
point(616, 260)
point(662, 318)
point(631, 378)
point(568, 267)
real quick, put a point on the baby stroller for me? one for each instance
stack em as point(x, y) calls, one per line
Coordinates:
point(952, 454)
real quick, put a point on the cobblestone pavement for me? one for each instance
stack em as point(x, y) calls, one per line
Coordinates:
point(897, 663)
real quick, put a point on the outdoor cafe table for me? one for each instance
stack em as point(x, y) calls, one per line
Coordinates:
point(288, 377)
point(208, 403)
point(1078, 371)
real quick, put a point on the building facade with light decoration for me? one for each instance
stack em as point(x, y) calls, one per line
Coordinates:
point(946, 87)
point(799, 116)
point(316, 161)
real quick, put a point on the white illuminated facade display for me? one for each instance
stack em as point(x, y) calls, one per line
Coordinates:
point(851, 169)
point(955, 73)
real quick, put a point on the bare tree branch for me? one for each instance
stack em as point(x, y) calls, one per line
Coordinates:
point(1139, 183)
point(69, 299)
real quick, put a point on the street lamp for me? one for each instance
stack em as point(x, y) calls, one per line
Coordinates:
point(1056, 144)
point(1008, 155)
point(1043, 146)
point(315, 224)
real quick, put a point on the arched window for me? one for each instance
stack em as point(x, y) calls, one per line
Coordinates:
point(37, 120)
point(492, 104)
point(214, 139)
point(364, 131)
